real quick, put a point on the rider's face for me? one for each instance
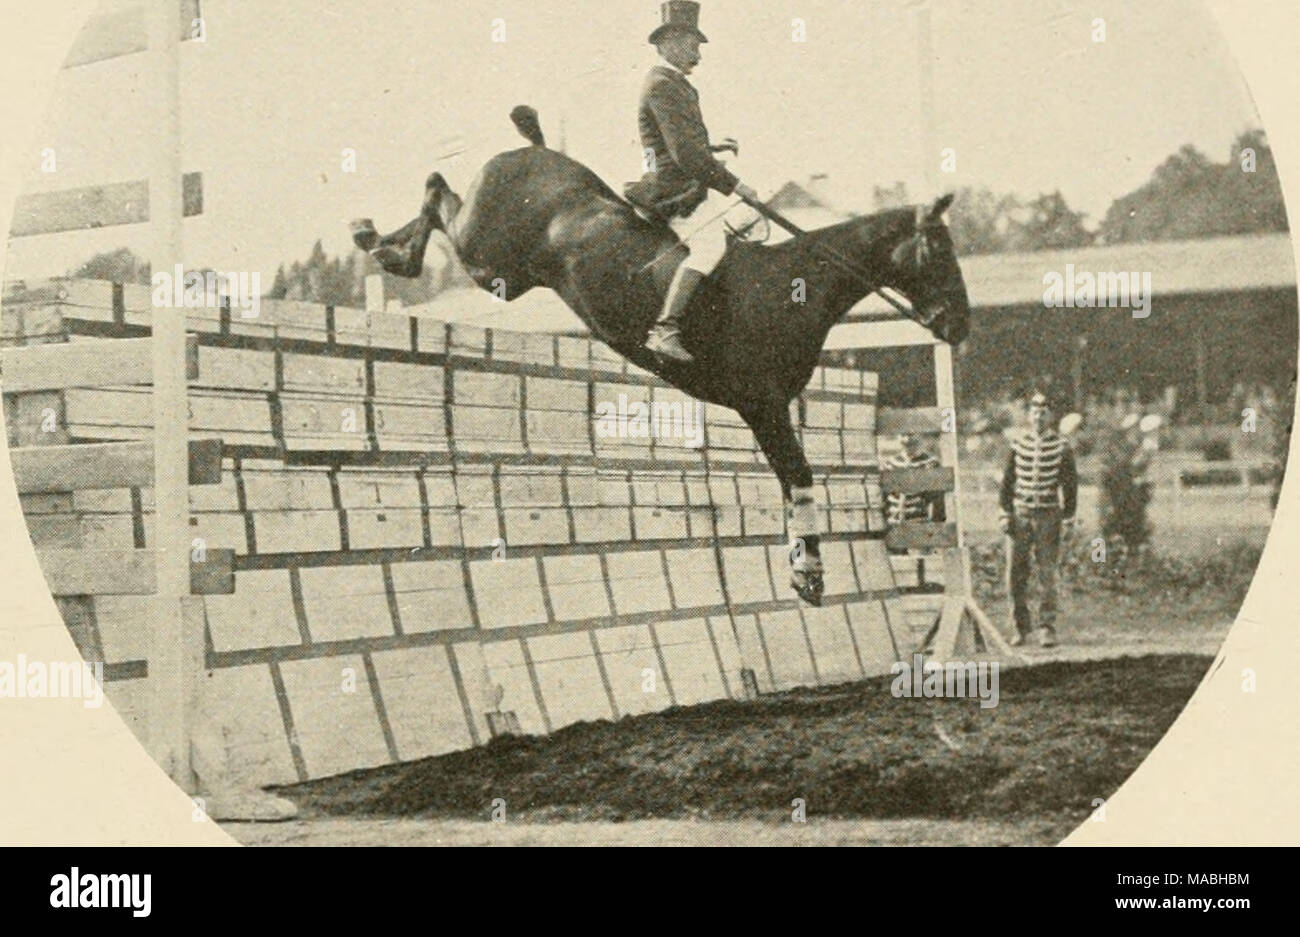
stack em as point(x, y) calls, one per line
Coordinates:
point(682, 49)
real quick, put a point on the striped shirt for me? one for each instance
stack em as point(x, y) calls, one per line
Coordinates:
point(924, 506)
point(1040, 473)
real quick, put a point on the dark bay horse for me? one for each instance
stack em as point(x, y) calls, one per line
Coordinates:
point(534, 217)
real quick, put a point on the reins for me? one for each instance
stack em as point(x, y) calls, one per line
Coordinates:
point(829, 254)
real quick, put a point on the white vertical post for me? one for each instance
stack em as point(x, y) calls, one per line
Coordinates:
point(374, 293)
point(925, 101)
point(945, 389)
point(945, 392)
point(173, 643)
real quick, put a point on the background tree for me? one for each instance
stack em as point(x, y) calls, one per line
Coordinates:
point(1123, 499)
point(985, 222)
point(1284, 418)
point(120, 266)
point(341, 281)
point(1048, 223)
point(980, 221)
point(1190, 196)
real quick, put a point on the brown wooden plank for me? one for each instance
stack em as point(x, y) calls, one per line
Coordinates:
point(96, 206)
point(111, 362)
point(108, 36)
point(921, 535)
point(948, 643)
point(911, 481)
point(105, 465)
point(893, 421)
point(118, 32)
point(128, 572)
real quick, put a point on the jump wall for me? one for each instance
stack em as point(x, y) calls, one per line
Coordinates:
point(435, 542)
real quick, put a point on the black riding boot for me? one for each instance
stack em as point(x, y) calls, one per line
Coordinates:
point(665, 338)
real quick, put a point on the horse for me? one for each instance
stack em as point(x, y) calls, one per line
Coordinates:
point(533, 217)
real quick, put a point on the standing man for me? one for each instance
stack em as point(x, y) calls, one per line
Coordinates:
point(919, 506)
point(683, 178)
point(1038, 498)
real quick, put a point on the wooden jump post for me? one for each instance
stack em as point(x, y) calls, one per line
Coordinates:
point(960, 626)
point(176, 651)
point(175, 572)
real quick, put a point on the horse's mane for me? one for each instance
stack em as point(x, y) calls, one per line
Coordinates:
point(866, 228)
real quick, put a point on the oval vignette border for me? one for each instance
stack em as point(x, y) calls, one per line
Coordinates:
point(1224, 774)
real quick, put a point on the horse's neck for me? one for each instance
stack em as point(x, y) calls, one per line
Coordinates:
point(865, 244)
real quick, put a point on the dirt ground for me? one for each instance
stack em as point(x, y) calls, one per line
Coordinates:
point(870, 769)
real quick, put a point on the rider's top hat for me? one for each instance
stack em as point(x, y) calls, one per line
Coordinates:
point(679, 15)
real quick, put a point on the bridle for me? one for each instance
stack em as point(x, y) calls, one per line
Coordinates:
point(924, 224)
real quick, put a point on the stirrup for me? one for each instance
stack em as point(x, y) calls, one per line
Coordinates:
point(666, 342)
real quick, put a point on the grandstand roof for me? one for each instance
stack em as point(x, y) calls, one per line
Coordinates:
point(1208, 265)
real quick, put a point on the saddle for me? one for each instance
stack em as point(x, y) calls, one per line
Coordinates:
point(651, 203)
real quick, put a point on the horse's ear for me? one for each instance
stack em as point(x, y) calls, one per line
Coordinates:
point(940, 206)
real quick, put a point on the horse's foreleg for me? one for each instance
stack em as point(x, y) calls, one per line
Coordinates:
point(776, 437)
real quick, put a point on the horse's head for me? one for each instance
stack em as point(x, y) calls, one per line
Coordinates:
point(924, 269)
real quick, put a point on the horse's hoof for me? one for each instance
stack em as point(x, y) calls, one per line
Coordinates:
point(364, 234)
point(809, 585)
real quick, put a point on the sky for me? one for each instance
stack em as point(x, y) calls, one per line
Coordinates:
point(280, 89)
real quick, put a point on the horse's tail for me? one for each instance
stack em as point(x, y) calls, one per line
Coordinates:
point(526, 123)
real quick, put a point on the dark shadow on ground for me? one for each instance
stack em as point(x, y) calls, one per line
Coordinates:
point(1062, 734)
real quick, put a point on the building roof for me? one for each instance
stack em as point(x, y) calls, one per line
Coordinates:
point(1208, 265)
point(806, 206)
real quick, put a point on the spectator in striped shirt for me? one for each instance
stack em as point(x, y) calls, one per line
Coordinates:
point(1038, 498)
point(920, 506)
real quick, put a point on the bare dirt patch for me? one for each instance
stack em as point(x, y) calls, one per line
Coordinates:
point(871, 769)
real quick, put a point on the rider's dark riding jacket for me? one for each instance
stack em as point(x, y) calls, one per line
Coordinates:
point(672, 129)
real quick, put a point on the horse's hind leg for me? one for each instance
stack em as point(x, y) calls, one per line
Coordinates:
point(402, 252)
point(776, 437)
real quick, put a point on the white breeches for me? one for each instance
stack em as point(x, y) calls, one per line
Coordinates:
point(705, 232)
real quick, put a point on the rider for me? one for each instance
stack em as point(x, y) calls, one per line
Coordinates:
point(683, 178)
